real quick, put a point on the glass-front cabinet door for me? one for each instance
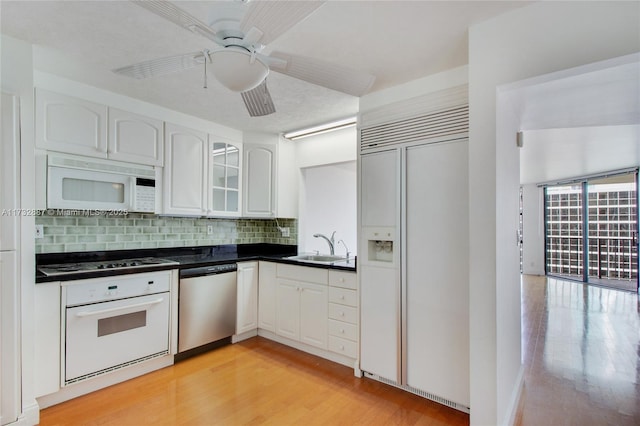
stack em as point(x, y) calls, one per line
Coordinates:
point(225, 160)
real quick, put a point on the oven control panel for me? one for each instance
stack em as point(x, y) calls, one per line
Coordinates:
point(83, 292)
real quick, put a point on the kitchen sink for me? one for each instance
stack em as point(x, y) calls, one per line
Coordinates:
point(319, 258)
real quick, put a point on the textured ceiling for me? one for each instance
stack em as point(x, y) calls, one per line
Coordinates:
point(397, 41)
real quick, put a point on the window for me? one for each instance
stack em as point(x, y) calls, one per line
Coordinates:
point(607, 252)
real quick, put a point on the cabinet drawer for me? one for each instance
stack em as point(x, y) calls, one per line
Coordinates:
point(343, 330)
point(301, 273)
point(344, 347)
point(343, 313)
point(343, 296)
point(342, 279)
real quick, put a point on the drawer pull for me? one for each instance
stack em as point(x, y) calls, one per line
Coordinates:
point(342, 297)
point(341, 313)
point(342, 330)
point(342, 347)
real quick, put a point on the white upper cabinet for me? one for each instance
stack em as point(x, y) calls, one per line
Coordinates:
point(225, 178)
point(75, 126)
point(202, 174)
point(270, 176)
point(135, 138)
point(259, 180)
point(185, 171)
point(70, 125)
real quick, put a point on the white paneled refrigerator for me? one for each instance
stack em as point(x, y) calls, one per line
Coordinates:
point(413, 269)
point(9, 252)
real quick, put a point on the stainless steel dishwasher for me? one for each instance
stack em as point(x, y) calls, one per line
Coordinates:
point(207, 305)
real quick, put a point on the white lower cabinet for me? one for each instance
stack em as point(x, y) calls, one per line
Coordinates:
point(47, 341)
point(310, 308)
point(313, 314)
point(343, 313)
point(247, 308)
point(267, 296)
point(302, 312)
point(288, 309)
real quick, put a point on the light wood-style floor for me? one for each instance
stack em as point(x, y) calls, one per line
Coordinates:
point(581, 351)
point(254, 382)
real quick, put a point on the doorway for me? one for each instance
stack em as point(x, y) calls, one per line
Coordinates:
point(591, 230)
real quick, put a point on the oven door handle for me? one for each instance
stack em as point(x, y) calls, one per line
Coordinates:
point(120, 308)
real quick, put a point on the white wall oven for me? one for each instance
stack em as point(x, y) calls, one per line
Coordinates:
point(78, 183)
point(112, 322)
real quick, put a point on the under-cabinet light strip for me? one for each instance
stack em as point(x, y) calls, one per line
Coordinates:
point(323, 128)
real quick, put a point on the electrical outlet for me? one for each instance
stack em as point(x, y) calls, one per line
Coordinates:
point(284, 232)
point(209, 229)
point(39, 232)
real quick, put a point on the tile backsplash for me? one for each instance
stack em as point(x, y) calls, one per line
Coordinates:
point(69, 233)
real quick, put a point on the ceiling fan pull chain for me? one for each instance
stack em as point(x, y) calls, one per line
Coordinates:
point(205, 54)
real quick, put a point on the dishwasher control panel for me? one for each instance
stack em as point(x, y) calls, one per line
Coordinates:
point(208, 270)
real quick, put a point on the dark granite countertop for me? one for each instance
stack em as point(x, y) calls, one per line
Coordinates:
point(185, 257)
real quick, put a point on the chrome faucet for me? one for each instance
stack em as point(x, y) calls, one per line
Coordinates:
point(346, 249)
point(330, 241)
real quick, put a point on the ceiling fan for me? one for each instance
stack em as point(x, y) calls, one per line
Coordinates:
point(241, 33)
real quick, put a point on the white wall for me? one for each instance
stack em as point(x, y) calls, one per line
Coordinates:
point(537, 39)
point(532, 230)
point(432, 83)
point(330, 204)
point(321, 159)
point(16, 67)
point(556, 154)
point(328, 148)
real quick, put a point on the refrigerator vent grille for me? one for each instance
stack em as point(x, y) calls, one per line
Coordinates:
point(421, 393)
point(438, 126)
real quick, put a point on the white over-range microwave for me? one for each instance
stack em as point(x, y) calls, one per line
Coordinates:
point(81, 183)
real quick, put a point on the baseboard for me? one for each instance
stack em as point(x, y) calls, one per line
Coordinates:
point(510, 415)
point(30, 415)
point(322, 353)
point(244, 336)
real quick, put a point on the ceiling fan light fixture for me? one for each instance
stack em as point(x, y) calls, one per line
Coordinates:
point(238, 70)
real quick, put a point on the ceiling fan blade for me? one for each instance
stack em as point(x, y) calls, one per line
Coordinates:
point(173, 13)
point(274, 18)
point(252, 36)
point(162, 66)
point(258, 101)
point(322, 73)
